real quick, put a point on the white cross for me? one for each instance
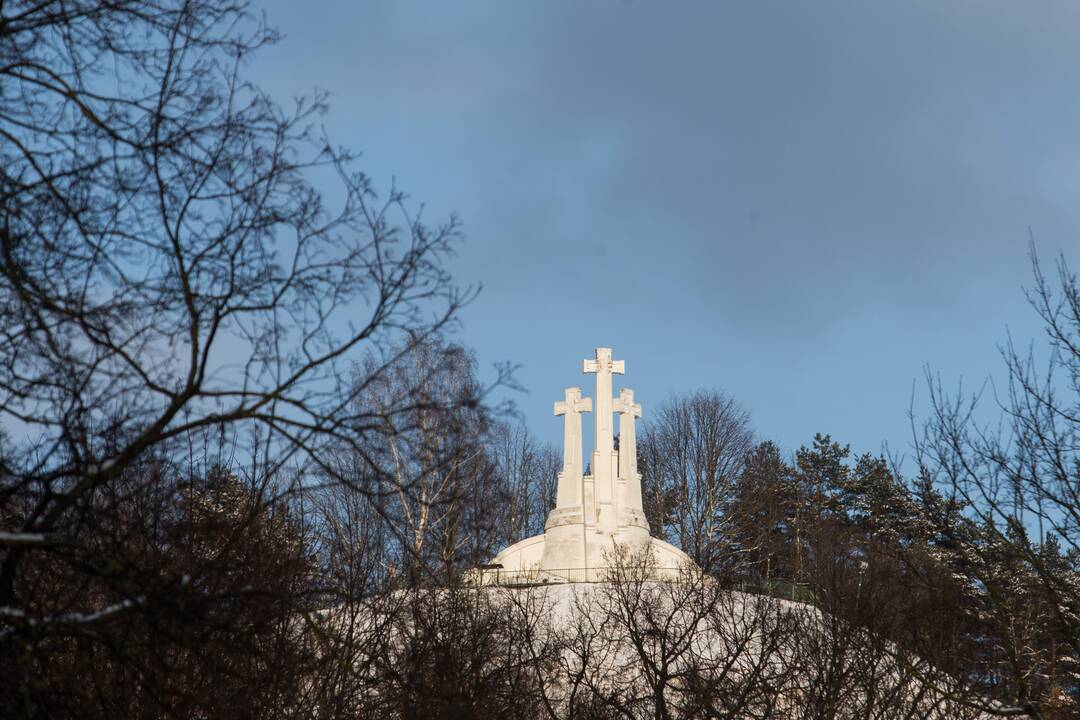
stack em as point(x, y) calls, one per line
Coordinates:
point(625, 403)
point(571, 407)
point(628, 410)
point(573, 402)
point(604, 364)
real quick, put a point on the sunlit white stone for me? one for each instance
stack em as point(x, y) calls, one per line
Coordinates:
point(597, 513)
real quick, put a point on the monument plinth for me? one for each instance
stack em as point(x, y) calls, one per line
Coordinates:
point(594, 514)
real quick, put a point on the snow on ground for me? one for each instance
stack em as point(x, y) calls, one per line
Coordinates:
point(626, 642)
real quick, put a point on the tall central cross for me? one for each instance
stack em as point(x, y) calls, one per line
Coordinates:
point(603, 471)
point(569, 490)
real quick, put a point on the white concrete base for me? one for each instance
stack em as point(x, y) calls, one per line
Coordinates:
point(522, 556)
point(599, 515)
point(526, 558)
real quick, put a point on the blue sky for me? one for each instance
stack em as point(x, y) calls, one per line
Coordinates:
point(802, 204)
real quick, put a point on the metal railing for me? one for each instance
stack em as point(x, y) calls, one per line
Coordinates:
point(555, 576)
point(784, 589)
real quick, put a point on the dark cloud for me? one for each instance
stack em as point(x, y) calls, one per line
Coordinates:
point(800, 202)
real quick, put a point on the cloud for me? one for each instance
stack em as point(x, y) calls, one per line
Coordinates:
point(720, 175)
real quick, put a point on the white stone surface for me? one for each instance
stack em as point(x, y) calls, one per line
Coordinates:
point(594, 514)
point(570, 479)
point(604, 458)
point(632, 512)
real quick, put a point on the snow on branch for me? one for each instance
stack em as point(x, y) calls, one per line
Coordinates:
point(21, 538)
point(74, 618)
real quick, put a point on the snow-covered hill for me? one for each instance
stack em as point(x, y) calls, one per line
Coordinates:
point(636, 648)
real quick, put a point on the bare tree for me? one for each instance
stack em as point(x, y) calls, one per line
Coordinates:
point(425, 471)
point(169, 271)
point(528, 470)
point(448, 652)
point(1017, 482)
point(694, 448)
point(182, 599)
point(629, 647)
point(686, 647)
